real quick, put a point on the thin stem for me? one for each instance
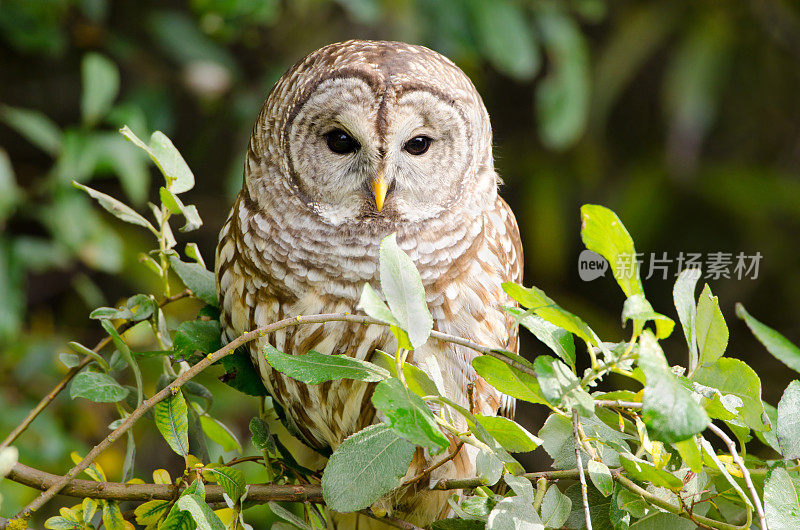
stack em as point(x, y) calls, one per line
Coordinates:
point(437, 465)
point(745, 473)
point(43, 404)
point(584, 492)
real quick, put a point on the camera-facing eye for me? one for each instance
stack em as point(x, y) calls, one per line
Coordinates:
point(341, 143)
point(418, 145)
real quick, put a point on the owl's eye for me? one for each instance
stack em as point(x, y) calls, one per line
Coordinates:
point(340, 142)
point(418, 145)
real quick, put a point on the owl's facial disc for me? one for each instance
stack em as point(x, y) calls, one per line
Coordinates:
point(357, 153)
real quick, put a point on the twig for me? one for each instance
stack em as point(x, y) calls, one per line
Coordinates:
point(438, 464)
point(19, 429)
point(467, 483)
point(210, 359)
point(745, 473)
point(631, 486)
point(121, 491)
point(579, 464)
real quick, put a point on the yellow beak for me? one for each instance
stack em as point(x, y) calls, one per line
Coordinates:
point(379, 189)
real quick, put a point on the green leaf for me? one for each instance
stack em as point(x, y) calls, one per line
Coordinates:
point(779, 346)
point(638, 309)
point(232, 481)
point(488, 467)
point(201, 512)
point(408, 415)
point(732, 376)
point(199, 280)
point(599, 509)
point(601, 477)
point(172, 422)
point(555, 508)
point(559, 442)
point(314, 368)
point(178, 176)
point(668, 408)
point(511, 435)
point(366, 466)
point(788, 428)
point(286, 515)
point(683, 295)
point(116, 208)
point(150, 512)
point(70, 360)
point(537, 301)
point(62, 523)
point(562, 98)
point(37, 128)
point(241, 374)
point(100, 79)
point(112, 516)
point(126, 354)
point(371, 303)
point(509, 380)
point(639, 469)
point(557, 339)
point(561, 387)
point(193, 336)
point(708, 450)
point(506, 37)
point(514, 513)
point(602, 232)
point(782, 499)
point(417, 380)
point(402, 287)
point(219, 433)
point(663, 521)
point(97, 387)
point(262, 437)
point(176, 206)
point(712, 333)
point(690, 453)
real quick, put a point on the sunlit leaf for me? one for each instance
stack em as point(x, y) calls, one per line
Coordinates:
point(712, 332)
point(116, 208)
point(171, 416)
point(408, 415)
point(775, 343)
point(788, 428)
point(97, 387)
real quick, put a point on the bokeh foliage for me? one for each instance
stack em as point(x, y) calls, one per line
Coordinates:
point(680, 115)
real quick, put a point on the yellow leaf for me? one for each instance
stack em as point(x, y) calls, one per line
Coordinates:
point(161, 476)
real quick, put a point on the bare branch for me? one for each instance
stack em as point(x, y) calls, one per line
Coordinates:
point(745, 473)
point(120, 491)
point(438, 464)
point(579, 464)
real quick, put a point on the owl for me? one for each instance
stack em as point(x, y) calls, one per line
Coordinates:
point(359, 140)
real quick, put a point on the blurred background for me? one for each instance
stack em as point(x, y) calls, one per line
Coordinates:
point(681, 115)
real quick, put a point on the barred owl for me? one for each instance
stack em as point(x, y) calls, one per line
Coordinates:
point(356, 141)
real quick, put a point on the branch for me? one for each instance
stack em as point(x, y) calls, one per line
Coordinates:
point(438, 464)
point(745, 472)
point(120, 491)
point(467, 483)
point(208, 361)
point(19, 429)
point(584, 492)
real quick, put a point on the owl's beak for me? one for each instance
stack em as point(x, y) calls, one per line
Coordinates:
point(379, 189)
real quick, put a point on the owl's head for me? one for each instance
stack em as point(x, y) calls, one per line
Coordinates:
point(366, 130)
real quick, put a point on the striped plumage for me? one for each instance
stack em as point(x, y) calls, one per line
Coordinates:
point(303, 234)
